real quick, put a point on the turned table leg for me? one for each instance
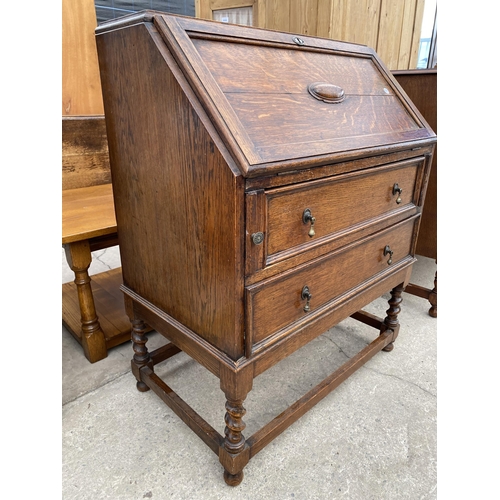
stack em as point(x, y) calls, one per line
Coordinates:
point(141, 354)
point(391, 321)
point(93, 340)
point(234, 443)
point(234, 452)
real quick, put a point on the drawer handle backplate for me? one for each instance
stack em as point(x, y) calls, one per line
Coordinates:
point(306, 295)
point(308, 217)
point(389, 252)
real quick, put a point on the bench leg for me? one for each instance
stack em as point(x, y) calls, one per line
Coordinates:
point(93, 341)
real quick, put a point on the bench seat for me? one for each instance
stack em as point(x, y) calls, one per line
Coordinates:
point(93, 309)
point(88, 213)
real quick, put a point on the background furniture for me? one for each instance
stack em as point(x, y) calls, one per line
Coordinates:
point(93, 313)
point(267, 186)
point(421, 87)
point(92, 309)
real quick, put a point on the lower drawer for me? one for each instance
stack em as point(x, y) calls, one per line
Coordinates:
point(276, 303)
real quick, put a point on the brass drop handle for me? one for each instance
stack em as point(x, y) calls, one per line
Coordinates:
point(308, 217)
point(397, 190)
point(389, 252)
point(306, 295)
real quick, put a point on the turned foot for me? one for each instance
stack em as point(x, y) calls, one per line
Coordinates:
point(391, 321)
point(233, 479)
point(388, 347)
point(141, 355)
point(234, 454)
point(141, 386)
point(433, 299)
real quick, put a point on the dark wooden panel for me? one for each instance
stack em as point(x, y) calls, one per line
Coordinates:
point(177, 221)
point(267, 132)
point(421, 87)
point(185, 135)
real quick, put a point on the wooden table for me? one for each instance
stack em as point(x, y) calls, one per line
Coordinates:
point(92, 309)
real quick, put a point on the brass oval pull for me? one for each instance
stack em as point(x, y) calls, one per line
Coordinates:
point(308, 217)
point(326, 92)
point(306, 295)
point(397, 190)
point(389, 252)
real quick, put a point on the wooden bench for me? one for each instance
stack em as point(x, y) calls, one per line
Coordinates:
point(92, 310)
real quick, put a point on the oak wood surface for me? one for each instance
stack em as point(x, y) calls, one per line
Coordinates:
point(194, 214)
point(109, 305)
point(391, 27)
point(356, 199)
point(276, 302)
point(250, 127)
point(85, 157)
point(81, 91)
point(92, 308)
point(87, 213)
point(198, 221)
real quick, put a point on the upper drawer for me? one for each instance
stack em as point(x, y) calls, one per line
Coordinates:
point(281, 101)
point(304, 213)
point(308, 215)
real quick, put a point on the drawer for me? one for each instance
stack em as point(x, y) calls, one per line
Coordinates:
point(278, 302)
point(338, 204)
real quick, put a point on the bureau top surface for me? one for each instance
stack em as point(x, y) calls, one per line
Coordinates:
point(280, 100)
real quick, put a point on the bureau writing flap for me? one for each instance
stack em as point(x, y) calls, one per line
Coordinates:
point(284, 102)
point(276, 99)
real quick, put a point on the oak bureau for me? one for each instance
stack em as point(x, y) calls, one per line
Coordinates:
point(267, 186)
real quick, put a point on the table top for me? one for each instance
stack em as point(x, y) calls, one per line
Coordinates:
point(87, 213)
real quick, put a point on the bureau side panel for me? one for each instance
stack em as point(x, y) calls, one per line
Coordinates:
point(179, 205)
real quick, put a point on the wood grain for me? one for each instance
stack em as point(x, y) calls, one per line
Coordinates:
point(337, 204)
point(85, 156)
point(193, 214)
point(275, 303)
point(212, 140)
point(81, 86)
point(87, 213)
point(391, 27)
